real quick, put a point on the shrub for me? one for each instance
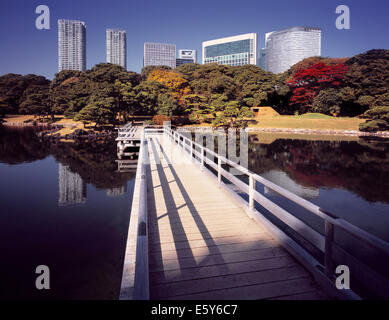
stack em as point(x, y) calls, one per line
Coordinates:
point(373, 125)
point(159, 119)
point(378, 119)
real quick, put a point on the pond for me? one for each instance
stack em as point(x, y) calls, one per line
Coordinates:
point(62, 206)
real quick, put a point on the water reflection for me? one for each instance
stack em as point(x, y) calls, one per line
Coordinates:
point(360, 166)
point(72, 189)
point(65, 206)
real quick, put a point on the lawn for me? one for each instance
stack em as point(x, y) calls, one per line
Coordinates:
point(308, 121)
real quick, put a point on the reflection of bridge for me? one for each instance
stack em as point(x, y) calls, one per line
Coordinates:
point(191, 237)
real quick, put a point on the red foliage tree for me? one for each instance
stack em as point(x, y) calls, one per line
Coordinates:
point(307, 83)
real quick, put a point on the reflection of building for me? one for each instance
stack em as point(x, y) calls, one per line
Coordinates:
point(72, 189)
point(285, 48)
point(186, 56)
point(234, 51)
point(71, 45)
point(115, 192)
point(116, 47)
point(159, 54)
point(281, 179)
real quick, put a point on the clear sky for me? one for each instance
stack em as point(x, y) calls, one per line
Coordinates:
point(25, 49)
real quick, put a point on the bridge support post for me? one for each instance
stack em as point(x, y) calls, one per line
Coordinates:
point(328, 263)
point(252, 184)
point(219, 171)
point(202, 158)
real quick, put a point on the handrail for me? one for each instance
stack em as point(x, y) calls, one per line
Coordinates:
point(323, 243)
point(141, 278)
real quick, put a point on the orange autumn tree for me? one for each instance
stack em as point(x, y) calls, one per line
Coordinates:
point(178, 86)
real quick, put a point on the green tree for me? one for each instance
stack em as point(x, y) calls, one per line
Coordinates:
point(328, 101)
point(232, 116)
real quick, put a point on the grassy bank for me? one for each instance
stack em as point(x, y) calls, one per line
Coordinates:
point(308, 121)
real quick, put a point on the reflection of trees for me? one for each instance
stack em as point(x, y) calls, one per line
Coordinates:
point(19, 145)
point(361, 167)
point(94, 162)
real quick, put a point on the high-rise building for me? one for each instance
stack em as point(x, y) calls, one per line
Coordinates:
point(117, 47)
point(234, 51)
point(159, 54)
point(262, 58)
point(186, 56)
point(285, 48)
point(71, 45)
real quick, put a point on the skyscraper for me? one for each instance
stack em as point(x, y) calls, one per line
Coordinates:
point(71, 45)
point(234, 51)
point(159, 54)
point(186, 56)
point(262, 58)
point(285, 48)
point(117, 47)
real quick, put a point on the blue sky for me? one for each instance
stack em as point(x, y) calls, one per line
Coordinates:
point(24, 49)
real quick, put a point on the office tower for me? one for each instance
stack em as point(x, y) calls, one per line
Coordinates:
point(72, 189)
point(186, 56)
point(262, 58)
point(71, 45)
point(116, 47)
point(159, 54)
point(285, 48)
point(234, 51)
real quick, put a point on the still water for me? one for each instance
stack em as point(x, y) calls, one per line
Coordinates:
point(68, 208)
point(65, 207)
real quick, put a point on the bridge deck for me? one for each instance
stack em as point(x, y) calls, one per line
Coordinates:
point(202, 245)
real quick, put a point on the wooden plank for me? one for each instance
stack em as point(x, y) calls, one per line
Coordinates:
point(201, 240)
point(169, 290)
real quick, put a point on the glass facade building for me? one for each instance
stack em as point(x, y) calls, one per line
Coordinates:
point(159, 54)
point(285, 48)
point(234, 51)
point(71, 45)
point(117, 47)
point(262, 58)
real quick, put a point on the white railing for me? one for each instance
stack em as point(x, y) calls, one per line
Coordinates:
point(141, 278)
point(332, 251)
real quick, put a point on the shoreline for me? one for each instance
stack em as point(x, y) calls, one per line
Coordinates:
point(329, 132)
point(334, 132)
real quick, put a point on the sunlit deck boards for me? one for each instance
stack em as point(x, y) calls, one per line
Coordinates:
point(202, 245)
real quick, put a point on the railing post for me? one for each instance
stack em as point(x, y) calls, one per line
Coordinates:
point(252, 184)
point(219, 171)
point(191, 149)
point(329, 238)
point(202, 158)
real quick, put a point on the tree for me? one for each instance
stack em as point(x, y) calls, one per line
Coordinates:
point(172, 80)
point(378, 119)
point(197, 106)
point(307, 83)
point(232, 116)
point(36, 104)
point(328, 101)
point(99, 111)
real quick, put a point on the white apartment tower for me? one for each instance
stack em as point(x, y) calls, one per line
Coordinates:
point(71, 45)
point(117, 47)
point(285, 48)
point(234, 51)
point(159, 54)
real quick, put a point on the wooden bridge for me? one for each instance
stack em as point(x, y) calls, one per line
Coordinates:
point(191, 236)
